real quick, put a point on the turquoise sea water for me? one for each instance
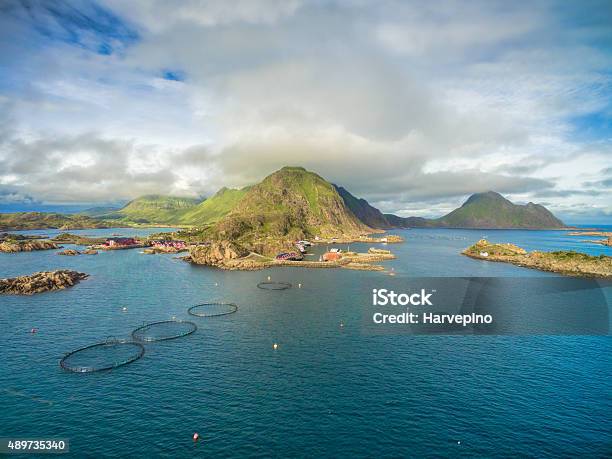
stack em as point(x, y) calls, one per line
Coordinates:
point(326, 391)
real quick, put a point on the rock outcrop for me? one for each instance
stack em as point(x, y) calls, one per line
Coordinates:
point(27, 245)
point(69, 252)
point(564, 262)
point(217, 253)
point(40, 282)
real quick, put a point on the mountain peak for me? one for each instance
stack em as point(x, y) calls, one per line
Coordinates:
point(491, 210)
point(485, 196)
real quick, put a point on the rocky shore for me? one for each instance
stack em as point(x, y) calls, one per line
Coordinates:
point(28, 245)
point(40, 282)
point(69, 238)
point(388, 239)
point(563, 262)
point(607, 241)
point(230, 256)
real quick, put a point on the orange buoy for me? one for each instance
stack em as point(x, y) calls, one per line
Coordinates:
point(196, 437)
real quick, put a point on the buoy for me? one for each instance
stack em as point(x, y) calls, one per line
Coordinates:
point(299, 285)
point(34, 330)
point(458, 442)
point(275, 346)
point(216, 284)
point(196, 437)
point(341, 324)
point(269, 278)
point(173, 317)
point(124, 309)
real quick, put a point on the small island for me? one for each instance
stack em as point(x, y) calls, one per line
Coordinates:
point(563, 262)
point(26, 245)
point(605, 234)
point(41, 282)
point(231, 256)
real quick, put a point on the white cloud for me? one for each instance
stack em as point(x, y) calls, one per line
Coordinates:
point(401, 102)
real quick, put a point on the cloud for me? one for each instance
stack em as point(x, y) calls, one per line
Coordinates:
point(158, 15)
point(409, 105)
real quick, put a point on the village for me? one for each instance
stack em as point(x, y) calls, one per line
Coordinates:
point(221, 254)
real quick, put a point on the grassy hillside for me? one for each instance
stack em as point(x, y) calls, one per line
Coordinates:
point(289, 204)
point(214, 208)
point(492, 210)
point(485, 210)
point(154, 209)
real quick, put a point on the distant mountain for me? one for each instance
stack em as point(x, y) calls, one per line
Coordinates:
point(368, 214)
point(44, 220)
point(492, 210)
point(99, 211)
point(288, 205)
point(488, 210)
point(154, 209)
point(214, 208)
point(408, 222)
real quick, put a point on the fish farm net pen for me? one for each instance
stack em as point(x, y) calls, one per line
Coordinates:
point(107, 355)
point(212, 309)
point(274, 285)
point(164, 330)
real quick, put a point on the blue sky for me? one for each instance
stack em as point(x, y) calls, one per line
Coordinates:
point(411, 105)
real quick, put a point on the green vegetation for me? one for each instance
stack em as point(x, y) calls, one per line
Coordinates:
point(562, 261)
point(486, 210)
point(42, 220)
point(288, 205)
point(492, 210)
point(153, 209)
point(214, 208)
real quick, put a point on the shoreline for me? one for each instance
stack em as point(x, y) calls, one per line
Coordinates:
point(567, 263)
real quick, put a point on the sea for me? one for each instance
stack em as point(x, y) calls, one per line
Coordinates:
point(328, 389)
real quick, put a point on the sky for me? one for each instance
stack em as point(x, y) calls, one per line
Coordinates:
point(411, 105)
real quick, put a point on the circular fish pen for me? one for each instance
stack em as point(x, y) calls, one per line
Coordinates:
point(274, 285)
point(110, 354)
point(164, 330)
point(212, 309)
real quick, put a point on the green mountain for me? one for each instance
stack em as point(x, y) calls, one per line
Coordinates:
point(362, 209)
point(99, 211)
point(154, 209)
point(492, 210)
point(489, 210)
point(214, 208)
point(288, 205)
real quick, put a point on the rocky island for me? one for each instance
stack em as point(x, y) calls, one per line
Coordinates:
point(26, 245)
point(605, 234)
point(230, 256)
point(69, 238)
point(40, 282)
point(563, 262)
point(263, 226)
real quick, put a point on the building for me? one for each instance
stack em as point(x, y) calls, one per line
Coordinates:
point(120, 241)
point(332, 256)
